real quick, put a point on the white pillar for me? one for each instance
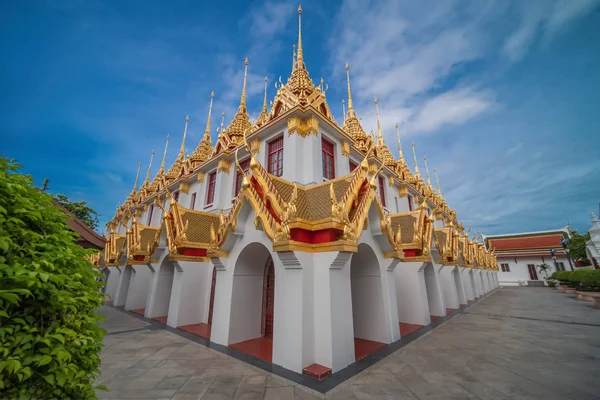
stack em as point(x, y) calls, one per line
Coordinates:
point(185, 304)
point(139, 287)
point(123, 286)
point(219, 332)
point(390, 302)
point(467, 283)
point(112, 282)
point(435, 297)
point(476, 282)
point(411, 293)
point(449, 289)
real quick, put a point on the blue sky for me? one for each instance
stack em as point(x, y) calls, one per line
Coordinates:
point(502, 96)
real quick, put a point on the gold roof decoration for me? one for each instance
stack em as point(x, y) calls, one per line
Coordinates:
point(383, 152)
point(263, 117)
point(156, 182)
point(401, 166)
point(204, 149)
point(351, 123)
point(131, 199)
point(143, 192)
point(241, 121)
point(300, 89)
point(428, 190)
point(416, 180)
point(177, 167)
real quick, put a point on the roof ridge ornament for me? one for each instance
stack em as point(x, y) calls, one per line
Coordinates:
point(137, 177)
point(427, 171)
point(147, 181)
point(162, 165)
point(243, 99)
point(350, 104)
point(415, 159)
point(437, 182)
point(207, 130)
point(379, 132)
point(400, 155)
point(181, 154)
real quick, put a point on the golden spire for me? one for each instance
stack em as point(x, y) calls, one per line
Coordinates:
point(264, 107)
point(350, 105)
point(222, 122)
point(294, 59)
point(437, 182)
point(242, 107)
point(427, 171)
point(401, 157)
point(162, 165)
point(300, 63)
point(344, 109)
point(182, 150)
point(207, 130)
point(415, 158)
point(137, 177)
point(149, 167)
point(379, 133)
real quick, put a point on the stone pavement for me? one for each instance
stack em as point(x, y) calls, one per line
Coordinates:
point(519, 343)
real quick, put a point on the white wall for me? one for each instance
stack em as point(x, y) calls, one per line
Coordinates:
point(123, 287)
point(112, 282)
point(519, 271)
point(411, 294)
point(187, 295)
point(434, 292)
point(465, 276)
point(162, 291)
point(139, 287)
point(449, 289)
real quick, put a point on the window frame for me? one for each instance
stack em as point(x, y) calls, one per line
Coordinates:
point(504, 267)
point(208, 189)
point(410, 202)
point(324, 155)
point(150, 213)
point(381, 187)
point(279, 154)
point(193, 201)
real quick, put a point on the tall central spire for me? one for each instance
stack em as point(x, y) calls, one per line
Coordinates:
point(265, 98)
point(182, 150)
point(207, 130)
point(350, 104)
point(415, 158)
point(300, 63)
point(379, 132)
point(149, 168)
point(400, 156)
point(162, 165)
point(242, 107)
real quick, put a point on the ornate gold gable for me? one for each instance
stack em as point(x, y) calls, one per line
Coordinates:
point(416, 229)
point(115, 246)
point(446, 243)
point(464, 248)
point(204, 149)
point(142, 241)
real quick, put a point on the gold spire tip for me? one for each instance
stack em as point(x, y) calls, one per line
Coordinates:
point(347, 66)
point(299, 9)
point(212, 94)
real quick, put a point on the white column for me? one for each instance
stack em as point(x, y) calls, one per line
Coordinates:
point(123, 286)
point(219, 332)
point(139, 287)
point(448, 285)
point(411, 293)
point(112, 282)
point(390, 302)
point(467, 284)
point(435, 297)
point(185, 305)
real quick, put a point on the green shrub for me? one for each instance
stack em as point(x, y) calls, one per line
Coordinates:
point(563, 276)
point(591, 280)
point(576, 276)
point(554, 275)
point(551, 283)
point(50, 340)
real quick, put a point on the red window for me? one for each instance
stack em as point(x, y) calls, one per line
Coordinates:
point(275, 156)
point(410, 204)
point(245, 165)
point(150, 212)
point(212, 182)
point(353, 165)
point(193, 202)
point(382, 189)
point(328, 159)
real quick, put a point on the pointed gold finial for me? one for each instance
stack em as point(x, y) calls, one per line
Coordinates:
point(149, 167)
point(415, 157)
point(350, 104)
point(401, 157)
point(427, 171)
point(265, 98)
point(379, 132)
point(222, 121)
point(137, 177)
point(162, 165)
point(294, 59)
point(242, 107)
point(437, 182)
point(182, 150)
point(207, 130)
point(344, 109)
point(300, 63)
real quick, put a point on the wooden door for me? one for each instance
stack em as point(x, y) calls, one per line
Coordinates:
point(268, 309)
point(212, 296)
point(532, 272)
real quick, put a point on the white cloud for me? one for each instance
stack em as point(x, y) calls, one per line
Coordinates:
point(452, 108)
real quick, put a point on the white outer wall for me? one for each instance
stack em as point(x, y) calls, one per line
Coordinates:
point(519, 271)
point(465, 276)
point(411, 294)
point(435, 298)
point(162, 286)
point(139, 287)
point(449, 289)
point(123, 286)
point(112, 282)
point(186, 304)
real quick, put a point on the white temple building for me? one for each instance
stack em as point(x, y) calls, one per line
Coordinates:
point(295, 239)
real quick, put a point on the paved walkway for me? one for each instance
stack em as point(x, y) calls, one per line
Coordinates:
point(520, 343)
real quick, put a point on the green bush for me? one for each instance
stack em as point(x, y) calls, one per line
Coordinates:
point(554, 275)
point(576, 276)
point(50, 340)
point(563, 276)
point(591, 280)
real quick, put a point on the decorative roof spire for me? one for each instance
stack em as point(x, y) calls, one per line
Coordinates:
point(222, 121)
point(415, 158)
point(379, 132)
point(137, 177)
point(401, 157)
point(427, 171)
point(149, 167)
point(437, 182)
point(350, 104)
point(242, 107)
point(162, 165)
point(263, 117)
point(264, 107)
point(182, 150)
point(344, 109)
point(207, 130)
point(294, 59)
point(300, 63)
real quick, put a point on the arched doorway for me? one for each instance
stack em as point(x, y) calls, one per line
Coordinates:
point(368, 313)
point(162, 297)
point(251, 325)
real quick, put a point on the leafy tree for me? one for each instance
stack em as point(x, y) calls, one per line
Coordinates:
point(544, 267)
point(50, 340)
point(80, 209)
point(576, 245)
